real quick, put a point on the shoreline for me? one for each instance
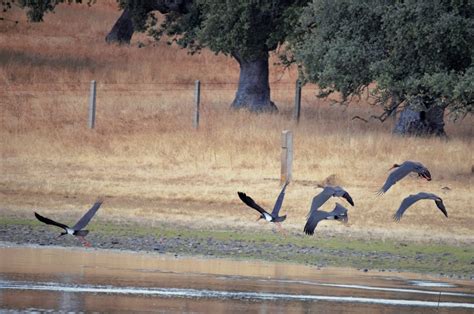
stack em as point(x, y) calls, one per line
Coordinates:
point(201, 258)
point(374, 256)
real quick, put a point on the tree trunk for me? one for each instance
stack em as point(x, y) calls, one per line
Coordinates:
point(428, 121)
point(122, 30)
point(253, 92)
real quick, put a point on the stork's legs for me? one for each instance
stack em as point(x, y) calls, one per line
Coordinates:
point(281, 229)
point(84, 241)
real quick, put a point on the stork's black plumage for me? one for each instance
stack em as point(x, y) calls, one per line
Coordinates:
point(50, 222)
point(327, 193)
point(338, 213)
point(76, 230)
point(411, 199)
point(402, 171)
point(270, 217)
point(82, 223)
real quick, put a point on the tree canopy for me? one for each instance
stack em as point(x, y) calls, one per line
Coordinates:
point(416, 50)
point(37, 8)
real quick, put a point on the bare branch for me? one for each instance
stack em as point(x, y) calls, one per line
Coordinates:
point(360, 118)
point(381, 118)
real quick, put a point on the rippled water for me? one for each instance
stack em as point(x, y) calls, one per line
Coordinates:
point(96, 280)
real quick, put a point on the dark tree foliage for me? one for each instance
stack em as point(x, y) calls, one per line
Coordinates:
point(419, 53)
point(37, 8)
point(337, 44)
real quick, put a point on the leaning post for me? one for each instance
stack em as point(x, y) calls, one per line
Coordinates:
point(197, 101)
point(286, 156)
point(92, 96)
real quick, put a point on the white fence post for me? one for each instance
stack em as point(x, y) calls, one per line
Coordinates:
point(92, 105)
point(286, 156)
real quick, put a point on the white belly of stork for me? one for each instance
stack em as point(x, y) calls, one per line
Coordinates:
point(267, 217)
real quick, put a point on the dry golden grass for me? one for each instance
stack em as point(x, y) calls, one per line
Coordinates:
point(148, 161)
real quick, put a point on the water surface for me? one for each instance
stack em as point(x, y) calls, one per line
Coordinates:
point(59, 279)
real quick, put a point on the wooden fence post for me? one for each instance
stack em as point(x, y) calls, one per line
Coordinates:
point(297, 101)
point(197, 100)
point(92, 105)
point(286, 155)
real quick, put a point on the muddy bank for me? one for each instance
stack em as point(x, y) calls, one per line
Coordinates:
point(364, 255)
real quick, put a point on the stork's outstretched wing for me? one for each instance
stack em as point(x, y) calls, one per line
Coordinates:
point(394, 177)
point(348, 198)
point(87, 216)
point(251, 203)
point(279, 201)
point(313, 220)
point(50, 221)
point(441, 207)
point(411, 199)
point(407, 202)
point(318, 201)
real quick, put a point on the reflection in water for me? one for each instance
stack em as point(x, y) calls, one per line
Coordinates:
point(97, 280)
point(421, 283)
point(69, 301)
point(213, 294)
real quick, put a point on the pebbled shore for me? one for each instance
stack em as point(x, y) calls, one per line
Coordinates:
point(365, 255)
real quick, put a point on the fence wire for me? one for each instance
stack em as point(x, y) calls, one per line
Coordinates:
point(63, 87)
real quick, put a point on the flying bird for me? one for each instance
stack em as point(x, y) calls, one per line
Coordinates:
point(402, 171)
point(410, 200)
point(328, 192)
point(270, 217)
point(76, 230)
point(338, 213)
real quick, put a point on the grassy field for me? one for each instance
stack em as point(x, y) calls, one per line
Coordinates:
point(149, 163)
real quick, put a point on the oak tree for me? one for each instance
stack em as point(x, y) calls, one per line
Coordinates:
point(418, 52)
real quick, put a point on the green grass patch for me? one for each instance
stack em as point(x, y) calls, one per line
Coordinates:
point(18, 221)
point(336, 251)
point(331, 251)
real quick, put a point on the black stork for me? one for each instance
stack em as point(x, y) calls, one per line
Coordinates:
point(327, 193)
point(339, 213)
point(402, 171)
point(410, 200)
point(270, 217)
point(76, 230)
